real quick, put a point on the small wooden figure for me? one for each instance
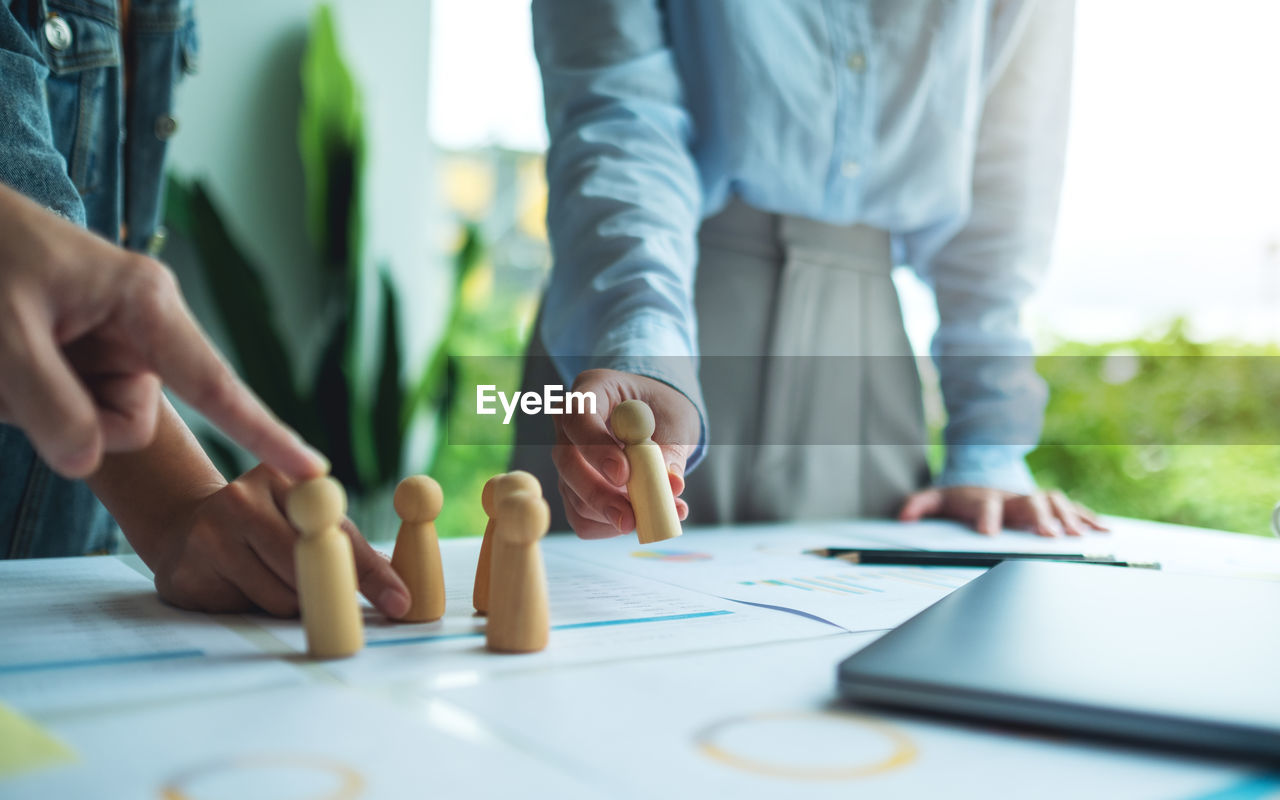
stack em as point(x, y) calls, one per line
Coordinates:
point(416, 559)
point(511, 481)
point(480, 590)
point(326, 569)
point(652, 500)
point(519, 611)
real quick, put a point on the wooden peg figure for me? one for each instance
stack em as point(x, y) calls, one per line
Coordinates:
point(326, 569)
point(652, 500)
point(480, 589)
point(519, 610)
point(416, 559)
point(518, 480)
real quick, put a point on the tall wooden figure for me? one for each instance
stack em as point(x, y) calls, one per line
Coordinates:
point(509, 481)
point(652, 500)
point(416, 559)
point(519, 611)
point(326, 569)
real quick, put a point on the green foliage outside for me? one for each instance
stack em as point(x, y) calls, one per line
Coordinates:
point(490, 326)
point(1186, 432)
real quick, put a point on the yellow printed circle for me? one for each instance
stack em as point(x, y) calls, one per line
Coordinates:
point(348, 784)
point(901, 750)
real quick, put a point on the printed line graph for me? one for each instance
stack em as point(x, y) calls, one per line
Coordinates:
point(864, 582)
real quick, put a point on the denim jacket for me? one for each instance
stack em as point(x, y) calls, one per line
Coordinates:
point(73, 138)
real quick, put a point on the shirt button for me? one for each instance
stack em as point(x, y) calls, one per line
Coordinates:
point(857, 62)
point(850, 169)
point(57, 32)
point(166, 127)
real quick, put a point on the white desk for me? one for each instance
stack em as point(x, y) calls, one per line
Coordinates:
point(654, 684)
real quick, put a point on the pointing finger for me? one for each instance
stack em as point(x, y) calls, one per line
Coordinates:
point(187, 361)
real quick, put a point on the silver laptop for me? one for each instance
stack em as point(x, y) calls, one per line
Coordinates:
point(1170, 659)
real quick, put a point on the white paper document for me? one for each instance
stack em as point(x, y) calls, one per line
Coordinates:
point(768, 568)
point(91, 631)
point(938, 534)
point(288, 744)
point(597, 614)
point(765, 723)
point(1175, 548)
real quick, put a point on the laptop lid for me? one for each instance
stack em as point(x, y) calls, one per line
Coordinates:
point(1176, 659)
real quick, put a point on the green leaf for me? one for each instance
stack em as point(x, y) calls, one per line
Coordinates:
point(429, 390)
point(471, 253)
point(341, 248)
point(331, 143)
point(388, 433)
point(331, 399)
point(332, 146)
point(444, 405)
point(177, 205)
point(242, 302)
point(363, 325)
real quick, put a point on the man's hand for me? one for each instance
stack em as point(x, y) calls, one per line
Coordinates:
point(593, 468)
point(989, 510)
point(87, 333)
point(232, 551)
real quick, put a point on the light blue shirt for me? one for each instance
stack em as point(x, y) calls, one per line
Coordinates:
point(943, 123)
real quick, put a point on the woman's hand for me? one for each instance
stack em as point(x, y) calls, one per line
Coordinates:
point(989, 510)
point(232, 550)
point(592, 465)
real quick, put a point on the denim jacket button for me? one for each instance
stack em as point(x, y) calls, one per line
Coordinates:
point(166, 127)
point(57, 32)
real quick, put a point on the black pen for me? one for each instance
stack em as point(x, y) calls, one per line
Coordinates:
point(964, 558)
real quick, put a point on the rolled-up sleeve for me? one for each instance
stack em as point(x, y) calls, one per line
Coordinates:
point(624, 195)
point(29, 162)
point(985, 264)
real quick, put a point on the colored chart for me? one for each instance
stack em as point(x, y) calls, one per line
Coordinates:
point(863, 582)
point(671, 555)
